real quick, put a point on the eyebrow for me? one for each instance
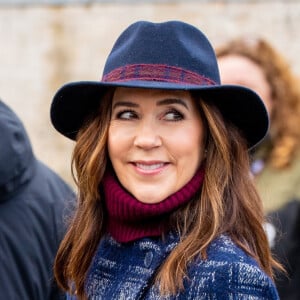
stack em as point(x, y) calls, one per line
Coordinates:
point(159, 103)
point(172, 101)
point(125, 103)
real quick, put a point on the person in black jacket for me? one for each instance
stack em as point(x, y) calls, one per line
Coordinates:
point(34, 202)
point(285, 244)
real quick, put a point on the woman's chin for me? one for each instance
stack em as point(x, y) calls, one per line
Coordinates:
point(149, 198)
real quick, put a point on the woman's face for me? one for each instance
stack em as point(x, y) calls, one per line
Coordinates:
point(237, 69)
point(155, 141)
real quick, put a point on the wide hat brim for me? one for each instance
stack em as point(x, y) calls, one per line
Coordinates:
point(75, 101)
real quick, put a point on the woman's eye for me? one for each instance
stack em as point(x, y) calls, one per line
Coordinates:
point(126, 115)
point(173, 115)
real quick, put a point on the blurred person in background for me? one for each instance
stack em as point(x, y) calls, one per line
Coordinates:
point(255, 63)
point(34, 202)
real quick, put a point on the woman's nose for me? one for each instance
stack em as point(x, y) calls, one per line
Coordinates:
point(147, 136)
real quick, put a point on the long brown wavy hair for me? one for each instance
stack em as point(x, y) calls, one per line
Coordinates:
point(285, 93)
point(228, 203)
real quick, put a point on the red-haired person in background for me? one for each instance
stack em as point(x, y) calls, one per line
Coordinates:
point(255, 63)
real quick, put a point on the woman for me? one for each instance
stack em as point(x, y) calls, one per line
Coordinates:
point(254, 63)
point(167, 209)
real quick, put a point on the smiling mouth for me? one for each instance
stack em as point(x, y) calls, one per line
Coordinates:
point(149, 167)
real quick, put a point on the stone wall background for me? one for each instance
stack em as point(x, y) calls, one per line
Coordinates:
point(44, 46)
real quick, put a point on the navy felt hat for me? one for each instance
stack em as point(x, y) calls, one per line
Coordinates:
point(168, 55)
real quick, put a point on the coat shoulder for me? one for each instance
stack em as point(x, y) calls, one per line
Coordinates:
point(229, 271)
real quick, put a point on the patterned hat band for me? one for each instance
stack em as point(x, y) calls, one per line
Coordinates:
point(156, 72)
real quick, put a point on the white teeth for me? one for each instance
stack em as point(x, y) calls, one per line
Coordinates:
point(149, 167)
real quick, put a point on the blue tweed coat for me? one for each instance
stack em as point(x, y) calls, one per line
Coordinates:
point(126, 271)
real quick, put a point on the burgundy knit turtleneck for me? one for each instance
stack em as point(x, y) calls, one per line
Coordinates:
point(130, 219)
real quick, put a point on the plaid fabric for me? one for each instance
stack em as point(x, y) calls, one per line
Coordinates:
point(126, 271)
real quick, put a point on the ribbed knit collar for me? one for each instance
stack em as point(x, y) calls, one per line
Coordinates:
point(130, 219)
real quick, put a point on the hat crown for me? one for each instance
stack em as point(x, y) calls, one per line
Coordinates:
point(173, 43)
